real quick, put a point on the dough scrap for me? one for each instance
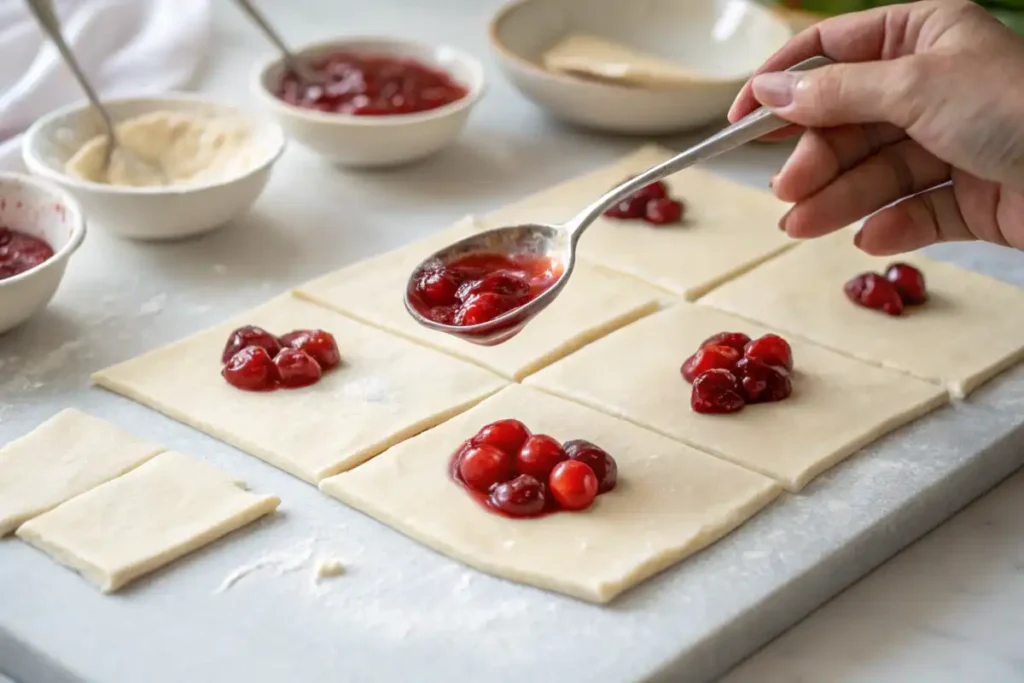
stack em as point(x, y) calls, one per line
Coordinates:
point(386, 390)
point(63, 457)
point(727, 229)
point(145, 519)
point(970, 330)
point(595, 301)
point(838, 404)
point(589, 55)
point(671, 501)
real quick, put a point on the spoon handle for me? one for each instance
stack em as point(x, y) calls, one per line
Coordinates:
point(47, 18)
point(758, 123)
point(290, 60)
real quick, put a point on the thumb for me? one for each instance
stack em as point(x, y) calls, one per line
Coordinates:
point(840, 94)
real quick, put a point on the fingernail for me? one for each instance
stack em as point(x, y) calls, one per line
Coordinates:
point(772, 180)
point(775, 89)
point(857, 238)
point(782, 222)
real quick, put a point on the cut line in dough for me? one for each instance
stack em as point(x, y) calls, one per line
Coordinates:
point(65, 456)
point(671, 501)
point(131, 526)
point(728, 228)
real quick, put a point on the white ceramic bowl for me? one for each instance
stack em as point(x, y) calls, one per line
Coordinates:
point(151, 213)
point(721, 41)
point(375, 141)
point(39, 209)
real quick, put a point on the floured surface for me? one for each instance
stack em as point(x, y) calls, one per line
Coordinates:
point(595, 301)
point(670, 502)
point(727, 227)
point(68, 454)
point(838, 404)
point(385, 390)
point(137, 523)
point(969, 330)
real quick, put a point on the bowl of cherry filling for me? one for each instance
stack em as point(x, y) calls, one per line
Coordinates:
point(41, 226)
point(374, 101)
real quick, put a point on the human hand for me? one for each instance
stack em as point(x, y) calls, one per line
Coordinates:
point(928, 100)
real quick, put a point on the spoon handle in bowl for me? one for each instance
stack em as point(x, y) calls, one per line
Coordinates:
point(754, 125)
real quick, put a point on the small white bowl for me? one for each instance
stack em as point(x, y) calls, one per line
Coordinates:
point(37, 208)
point(375, 141)
point(151, 213)
point(721, 41)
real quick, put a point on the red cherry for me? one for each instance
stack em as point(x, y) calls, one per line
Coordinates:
point(628, 208)
point(481, 308)
point(297, 368)
point(443, 314)
point(708, 357)
point(573, 485)
point(483, 466)
point(604, 465)
point(438, 287)
point(909, 283)
point(251, 369)
point(317, 343)
point(656, 190)
point(763, 383)
point(507, 436)
point(771, 349)
point(539, 455)
point(250, 335)
point(736, 340)
point(506, 284)
point(663, 211)
point(521, 497)
point(716, 391)
point(871, 290)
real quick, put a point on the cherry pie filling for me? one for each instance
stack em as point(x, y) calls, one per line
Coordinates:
point(20, 252)
point(256, 360)
point(730, 370)
point(651, 204)
point(900, 286)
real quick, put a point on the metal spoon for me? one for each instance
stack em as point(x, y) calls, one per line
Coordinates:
point(303, 70)
point(135, 165)
point(558, 242)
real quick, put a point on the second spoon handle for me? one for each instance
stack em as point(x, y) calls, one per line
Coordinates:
point(754, 125)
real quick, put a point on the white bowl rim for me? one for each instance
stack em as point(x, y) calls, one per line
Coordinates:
point(78, 226)
point(476, 90)
point(38, 167)
point(505, 52)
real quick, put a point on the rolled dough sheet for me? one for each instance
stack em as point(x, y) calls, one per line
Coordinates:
point(671, 501)
point(67, 455)
point(607, 60)
point(143, 520)
point(838, 404)
point(595, 301)
point(386, 390)
point(728, 228)
point(971, 329)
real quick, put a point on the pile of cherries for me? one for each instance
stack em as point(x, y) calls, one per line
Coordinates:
point(477, 288)
point(519, 474)
point(730, 370)
point(650, 203)
point(256, 360)
point(902, 285)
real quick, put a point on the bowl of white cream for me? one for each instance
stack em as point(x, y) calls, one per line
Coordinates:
point(212, 160)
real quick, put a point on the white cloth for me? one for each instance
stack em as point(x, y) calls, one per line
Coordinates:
point(127, 47)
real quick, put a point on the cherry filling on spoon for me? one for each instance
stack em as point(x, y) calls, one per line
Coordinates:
point(651, 204)
point(902, 285)
point(730, 370)
point(477, 288)
point(513, 472)
point(256, 360)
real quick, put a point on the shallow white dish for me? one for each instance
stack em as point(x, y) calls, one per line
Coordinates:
point(375, 141)
point(39, 209)
point(720, 41)
point(151, 213)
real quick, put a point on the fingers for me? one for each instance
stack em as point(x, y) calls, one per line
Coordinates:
point(822, 155)
point(927, 218)
point(894, 172)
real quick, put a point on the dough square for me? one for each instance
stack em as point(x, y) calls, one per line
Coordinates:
point(727, 229)
point(595, 301)
point(386, 390)
point(145, 519)
point(671, 501)
point(67, 455)
point(838, 404)
point(970, 330)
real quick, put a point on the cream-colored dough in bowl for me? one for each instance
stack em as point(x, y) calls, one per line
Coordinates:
point(671, 501)
point(187, 148)
point(604, 59)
